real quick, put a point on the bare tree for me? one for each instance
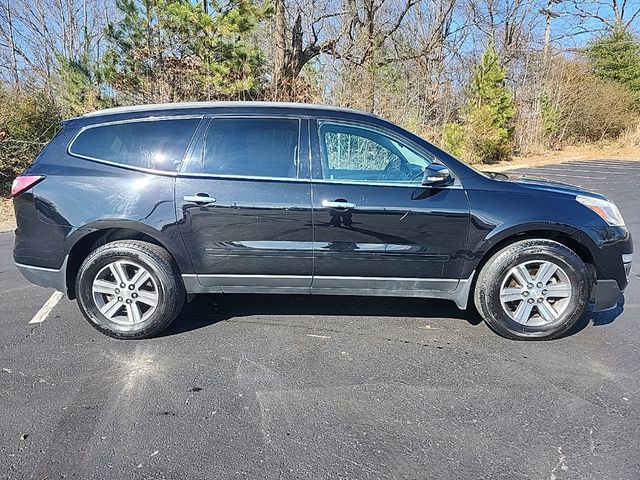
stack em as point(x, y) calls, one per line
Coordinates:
point(549, 14)
point(606, 13)
point(371, 27)
point(511, 24)
point(301, 34)
point(437, 40)
point(37, 32)
point(12, 46)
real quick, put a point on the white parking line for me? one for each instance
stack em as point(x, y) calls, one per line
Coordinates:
point(600, 164)
point(45, 310)
point(553, 174)
point(586, 169)
point(565, 171)
point(609, 170)
point(594, 162)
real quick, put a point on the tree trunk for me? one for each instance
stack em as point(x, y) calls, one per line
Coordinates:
point(12, 45)
point(280, 54)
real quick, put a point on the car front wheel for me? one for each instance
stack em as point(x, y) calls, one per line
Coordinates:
point(533, 289)
point(129, 289)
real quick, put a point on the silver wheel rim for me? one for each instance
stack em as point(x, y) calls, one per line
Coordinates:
point(125, 293)
point(536, 293)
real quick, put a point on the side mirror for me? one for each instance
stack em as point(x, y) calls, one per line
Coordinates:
point(436, 176)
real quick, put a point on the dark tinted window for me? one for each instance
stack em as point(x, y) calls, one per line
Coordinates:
point(254, 147)
point(156, 144)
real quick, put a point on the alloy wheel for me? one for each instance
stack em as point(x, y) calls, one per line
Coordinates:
point(536, 293)
point(125, 293)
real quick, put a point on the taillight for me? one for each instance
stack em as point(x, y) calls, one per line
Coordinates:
point(24, 182)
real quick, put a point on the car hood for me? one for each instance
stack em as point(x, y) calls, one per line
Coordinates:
point(542, 184)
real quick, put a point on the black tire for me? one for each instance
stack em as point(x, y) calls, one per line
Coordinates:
point(489, 282)
point(165, 282)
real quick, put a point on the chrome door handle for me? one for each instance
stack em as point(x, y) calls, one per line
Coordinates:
point(328, 204)
point(198, 199)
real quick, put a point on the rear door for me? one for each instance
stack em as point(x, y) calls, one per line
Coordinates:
point(376, 228)
point(243, 203)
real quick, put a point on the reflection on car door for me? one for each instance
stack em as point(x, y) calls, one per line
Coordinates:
point(376, 228)
point(243, 203)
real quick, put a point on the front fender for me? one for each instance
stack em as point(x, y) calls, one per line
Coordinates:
point(484, 241)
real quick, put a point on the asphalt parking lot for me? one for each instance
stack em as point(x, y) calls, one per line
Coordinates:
point(323, 387)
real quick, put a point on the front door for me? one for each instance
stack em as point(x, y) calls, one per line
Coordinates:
point(375, 226)
point(243, 203)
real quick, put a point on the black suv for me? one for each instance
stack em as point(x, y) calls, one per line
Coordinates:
point(133, 210)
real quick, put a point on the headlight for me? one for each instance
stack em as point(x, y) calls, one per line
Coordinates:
point(604, 208)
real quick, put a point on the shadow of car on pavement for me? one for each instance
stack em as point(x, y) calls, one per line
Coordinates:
point(206, 310)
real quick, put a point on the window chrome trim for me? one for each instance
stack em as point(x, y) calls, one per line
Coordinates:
point(216, 176)
point(380, 184)
point(312, 181)
point(169, 173)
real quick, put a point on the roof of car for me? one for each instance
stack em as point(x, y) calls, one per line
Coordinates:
point(205, 105)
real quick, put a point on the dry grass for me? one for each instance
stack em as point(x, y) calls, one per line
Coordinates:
point(631, 137)
point(7, 222)
point(584, 152)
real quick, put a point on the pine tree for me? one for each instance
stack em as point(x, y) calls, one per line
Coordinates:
point(78, 86)
point(489, 112)
point(173, 50)
point(616, 57)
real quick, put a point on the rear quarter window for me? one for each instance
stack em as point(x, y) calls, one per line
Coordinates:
point(152, 144)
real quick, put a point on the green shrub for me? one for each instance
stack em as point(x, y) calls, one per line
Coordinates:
point(453, 139)
point(27, 122)
point(549, 119)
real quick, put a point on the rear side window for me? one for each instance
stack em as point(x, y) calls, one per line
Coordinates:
point(256, 147)
point(154, 144)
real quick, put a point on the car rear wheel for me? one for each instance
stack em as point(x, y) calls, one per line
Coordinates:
point(129, 289)
point(533, 289)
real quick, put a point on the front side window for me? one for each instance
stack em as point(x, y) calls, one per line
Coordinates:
point(359, 154)
point(154, 144)
point(255, 147)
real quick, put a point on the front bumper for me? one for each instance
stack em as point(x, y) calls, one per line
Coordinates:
point(606, 293)
point(611, 250)
point(627, 260)
point(46, 277)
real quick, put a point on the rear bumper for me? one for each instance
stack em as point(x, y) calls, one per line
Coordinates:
point(55, 278)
